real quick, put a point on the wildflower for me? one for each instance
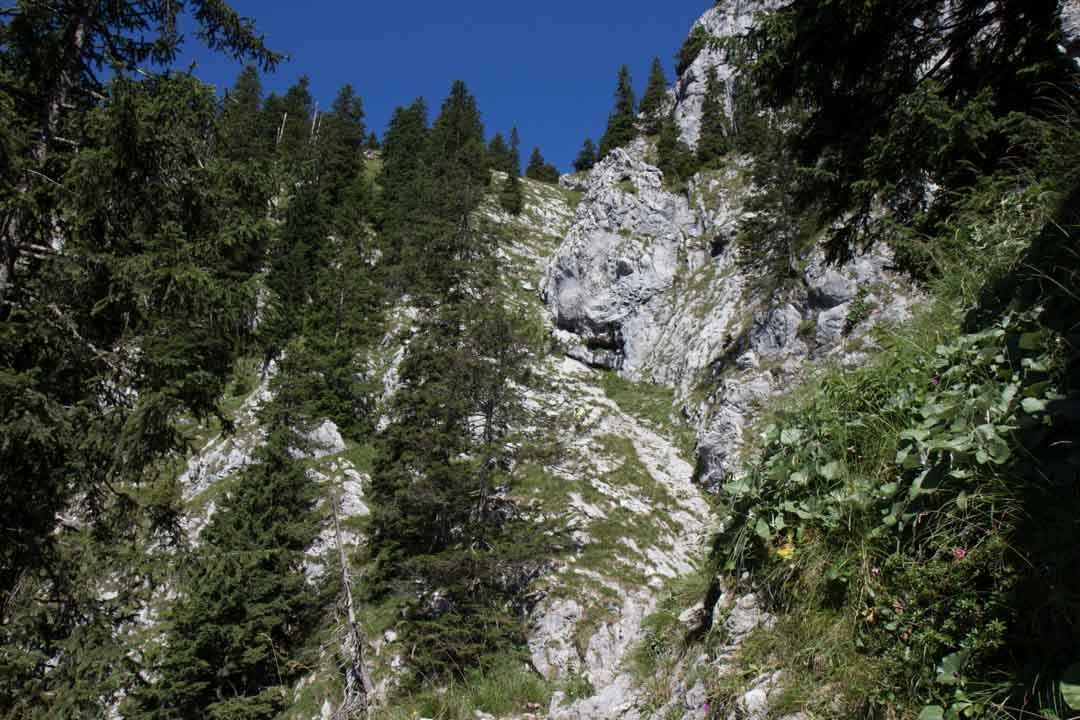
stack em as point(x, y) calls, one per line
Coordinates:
point(875, 571)
point(935, 381)
point(959, 553)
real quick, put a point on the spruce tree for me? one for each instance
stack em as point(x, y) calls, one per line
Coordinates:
point(458, 174)
point(539, 169)
point(510, 195)
point(373, 141)
point(621, 128)
point(402, 209)
point(243, 134)
point(535, 169)
point(676, 160)
point(295, 131)
point(499, 154)
point(586, 157)
point(245, 605)
point(341, 138)
point(130, 241)
point(515, 150)
point(652, 103)
point(713, 142)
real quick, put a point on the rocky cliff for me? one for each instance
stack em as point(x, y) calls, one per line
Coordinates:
point(667, 347)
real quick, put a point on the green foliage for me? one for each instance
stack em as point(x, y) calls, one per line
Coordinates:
point(675, 158)
point(245, 604)
point(511, 196)
point(654, 99)
point(713, 142)
point(127, 258)
point(622, 123)
point(400, 207)
point(539, 169)
point(693, 45)
point(586, 157)
point(912, 494)
point(903, 101)
point(499, 157)
point(510, 686)
point(860, 310)
point(446, 540)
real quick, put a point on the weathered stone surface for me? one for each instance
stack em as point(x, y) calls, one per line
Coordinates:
point(732, 19)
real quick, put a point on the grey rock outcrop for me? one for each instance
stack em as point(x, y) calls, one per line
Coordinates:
point(731, 19)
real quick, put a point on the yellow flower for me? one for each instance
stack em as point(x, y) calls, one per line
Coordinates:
point(786, 551)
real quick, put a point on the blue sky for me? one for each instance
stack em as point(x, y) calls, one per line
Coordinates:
point(548, 66)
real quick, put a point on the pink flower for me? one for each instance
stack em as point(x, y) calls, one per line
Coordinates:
point(875, 571)
point(959, 553)
point(935, 381)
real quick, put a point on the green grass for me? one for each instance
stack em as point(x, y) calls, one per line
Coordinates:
point(651, 403)
point(890, 515)
point(510, 687)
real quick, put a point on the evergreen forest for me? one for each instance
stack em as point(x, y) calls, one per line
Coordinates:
point(302, 418)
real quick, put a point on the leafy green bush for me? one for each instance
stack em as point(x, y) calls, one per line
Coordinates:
point(907, 494)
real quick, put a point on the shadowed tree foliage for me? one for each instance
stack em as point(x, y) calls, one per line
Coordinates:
point(540, 169)
point(654, 99)
point(903, 97)
point(621, 127)
point(586, 157)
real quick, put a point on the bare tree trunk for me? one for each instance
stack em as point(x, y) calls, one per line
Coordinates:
point(359, 688)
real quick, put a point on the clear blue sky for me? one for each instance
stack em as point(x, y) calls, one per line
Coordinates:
point(548, 66)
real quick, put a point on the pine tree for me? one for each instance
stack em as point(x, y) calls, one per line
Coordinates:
point(499, 154)
point(245, 605)
point(511, 196)
point(243, 134)
point(713, 142)
point(655, 98)
point(458, 176)
point(515, 150)
point(539, 169)
point(373, 141)
point(676, 160)
point(341, 138)
point(144, 282)
point(586, 157)
point(295, 131)
point(402, 207)
point(621, 128)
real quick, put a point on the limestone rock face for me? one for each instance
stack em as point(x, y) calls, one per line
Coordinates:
point(1070, 24)
point(731, 19)
point(621, 252)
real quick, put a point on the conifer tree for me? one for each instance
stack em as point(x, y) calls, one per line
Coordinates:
point(713, 142)
point(244, 136)
point(458, 175)
point(341, 137)
point(245, 605)
point(652, 103)
point(539, 169)
point(510, 195)
point(621, 127)
point(586, 157)
point(515, 150)
point(295, 129)
point(373, 141)
point(676, 160)
point(128, 249)
point(401, 211)
point(499, 154)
